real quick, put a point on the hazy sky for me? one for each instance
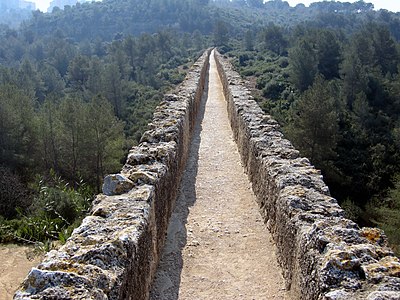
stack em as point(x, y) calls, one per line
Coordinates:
point(42, 4)
point(392, 5)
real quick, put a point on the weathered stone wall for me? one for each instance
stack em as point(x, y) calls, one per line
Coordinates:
point(114, 253)
point(323, 255)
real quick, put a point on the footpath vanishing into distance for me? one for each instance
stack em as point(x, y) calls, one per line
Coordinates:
point(217, 245)
point(214, 203)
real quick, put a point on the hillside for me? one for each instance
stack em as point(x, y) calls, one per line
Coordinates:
point(108, 63)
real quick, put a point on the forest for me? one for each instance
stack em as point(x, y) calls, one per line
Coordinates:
point(69, 112)
point(78, 86)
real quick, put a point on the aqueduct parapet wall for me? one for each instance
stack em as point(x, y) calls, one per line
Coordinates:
point(322, 254)
point(114, 252)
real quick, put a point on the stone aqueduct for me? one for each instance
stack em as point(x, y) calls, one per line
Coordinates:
point(114, 253)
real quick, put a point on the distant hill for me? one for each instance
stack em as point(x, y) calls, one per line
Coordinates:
point(110, 17)
point(106, 19)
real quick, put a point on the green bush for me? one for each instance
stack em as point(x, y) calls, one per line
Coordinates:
point(273, 89)
point(386, 214)
point(58, 209)
point(351, 210)
point(243, 58)
point(283, 62)
point(60, 200)
point(261, 82)
point(248, 72)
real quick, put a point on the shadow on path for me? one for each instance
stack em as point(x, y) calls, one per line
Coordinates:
point(168, 276)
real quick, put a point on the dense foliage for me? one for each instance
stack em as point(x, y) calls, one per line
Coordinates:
point(78, 86)
point(69, 111)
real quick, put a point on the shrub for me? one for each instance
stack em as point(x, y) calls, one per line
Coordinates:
point(273, 89)
point(261, 82)
point(351, 210)
point(57, 210)
point(243, 58)
point(62, 201)
point(284, 62)
point(386, 214)
point(13, 194)
point(248, 72)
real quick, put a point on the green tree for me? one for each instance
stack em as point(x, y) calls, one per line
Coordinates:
point(303, 64)
point(119, 57)
point(60, 54)
point(273, 39)
point(328, 53)
point(314, 128)
point(130, 50)
point(94, 83)
point(164, 44)
point(354, 77)
point(385, 51)
point(112, 86)
point(221, 33)
point(72, 133)
point(198, 40)
point(50, 134)
point(78, 72)
point(104, 140)
point(18, 129)
point(361, 44)
point(249, 40)
point(53, 83)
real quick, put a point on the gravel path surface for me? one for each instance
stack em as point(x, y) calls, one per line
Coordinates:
point(15, 263)
point(217, 245)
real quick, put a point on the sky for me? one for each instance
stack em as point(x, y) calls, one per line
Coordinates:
point(43, 4)
point(392, 5)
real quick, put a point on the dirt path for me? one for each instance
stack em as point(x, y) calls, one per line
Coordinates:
point(217, 245)
point(14, 266)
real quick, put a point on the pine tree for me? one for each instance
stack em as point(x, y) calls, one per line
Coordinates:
point(303, 64)
point(104, 140)
point(314, 129)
